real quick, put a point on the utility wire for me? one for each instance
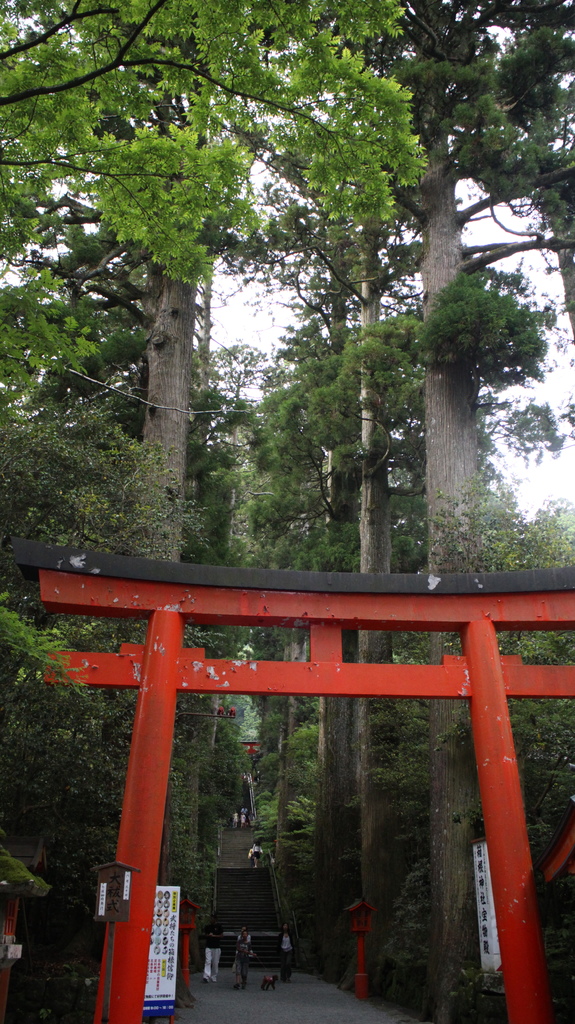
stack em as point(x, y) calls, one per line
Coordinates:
point(153, 405)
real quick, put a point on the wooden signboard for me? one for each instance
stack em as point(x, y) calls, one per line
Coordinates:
point(113, 893)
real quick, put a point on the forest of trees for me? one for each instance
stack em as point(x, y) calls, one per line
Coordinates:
point(322, 151)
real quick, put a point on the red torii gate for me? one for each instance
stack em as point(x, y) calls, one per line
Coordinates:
point(169, 594)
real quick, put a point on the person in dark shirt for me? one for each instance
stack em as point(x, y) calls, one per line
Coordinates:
point(213, 932)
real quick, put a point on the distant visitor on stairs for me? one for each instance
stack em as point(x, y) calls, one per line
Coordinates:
point(257, 852)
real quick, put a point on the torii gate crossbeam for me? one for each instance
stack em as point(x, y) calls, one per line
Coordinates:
point(169, 595)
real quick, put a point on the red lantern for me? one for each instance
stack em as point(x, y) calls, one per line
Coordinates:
point(188, 911)
point(361, 924)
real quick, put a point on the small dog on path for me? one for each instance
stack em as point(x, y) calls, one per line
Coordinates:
point(269, 981)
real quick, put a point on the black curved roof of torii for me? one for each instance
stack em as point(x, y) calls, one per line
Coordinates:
point(32, 556)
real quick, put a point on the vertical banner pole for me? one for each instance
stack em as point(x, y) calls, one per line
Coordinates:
point(521, 941)
point(140, 836)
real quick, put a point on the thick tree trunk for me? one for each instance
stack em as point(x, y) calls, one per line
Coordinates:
point(170, 306)
point(454, 798)
point(337, 832)
point(567, 268)
point(296, 651)
point(337, 861)
point(563, 226)
point(205, 336)
point(374, 528)
point(382, 856)
point(451, 465)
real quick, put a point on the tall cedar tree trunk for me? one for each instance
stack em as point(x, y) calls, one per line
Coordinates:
point(205, 335)
point(201, 426)
point(382, 857)
point(171, 308)
point(567, 267)
point(451, 464)
point(563, 227)
point(337, 832)
point(296, 651)
point(337, 870)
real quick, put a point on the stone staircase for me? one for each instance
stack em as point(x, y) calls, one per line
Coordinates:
point(245, 897)
point(235, 846)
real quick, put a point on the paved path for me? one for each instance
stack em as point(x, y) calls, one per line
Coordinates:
point(306, 1000)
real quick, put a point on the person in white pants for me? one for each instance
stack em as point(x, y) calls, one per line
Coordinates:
point(213, 932)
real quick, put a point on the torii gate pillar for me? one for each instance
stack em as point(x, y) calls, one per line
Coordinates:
point(140, 836)
point(514, 894)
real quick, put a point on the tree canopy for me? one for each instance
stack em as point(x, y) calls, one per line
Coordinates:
point(320, 149)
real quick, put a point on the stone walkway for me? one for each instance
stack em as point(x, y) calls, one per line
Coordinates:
point(306, 1000)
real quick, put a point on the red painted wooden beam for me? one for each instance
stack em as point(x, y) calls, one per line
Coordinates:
point(198, 674)
point(118, 598)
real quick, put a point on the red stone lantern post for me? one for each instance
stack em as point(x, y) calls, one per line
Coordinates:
point(188, 911)
point(361, 924)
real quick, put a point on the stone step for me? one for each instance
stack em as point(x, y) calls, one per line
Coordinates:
point(245, 897)
point(235, 844)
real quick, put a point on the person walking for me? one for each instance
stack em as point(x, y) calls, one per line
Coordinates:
point(213, 932)
point(257, 852)
point(243, 954)
point(285, 950)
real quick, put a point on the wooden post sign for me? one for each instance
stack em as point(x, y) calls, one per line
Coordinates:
point(113, 907)
point(113, 893)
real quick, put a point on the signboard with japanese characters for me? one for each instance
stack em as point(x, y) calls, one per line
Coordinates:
point(160, 998)
point(488, 938)
point(113, 894)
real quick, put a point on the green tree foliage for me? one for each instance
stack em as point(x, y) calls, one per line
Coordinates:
point(219, 456)
point(206, 788)
point(480, 319)
point(67, 114)
point(38, 332)
point(142, 116)
point(81, 482)
point(64, 748)
point(309, 450)
point(63, 760)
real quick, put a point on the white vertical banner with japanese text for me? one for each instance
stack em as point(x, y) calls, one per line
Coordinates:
point(160, 997)
point(488, 938)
